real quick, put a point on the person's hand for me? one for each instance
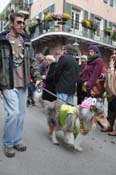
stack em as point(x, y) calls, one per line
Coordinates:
point(37, 83)
point(84, 87)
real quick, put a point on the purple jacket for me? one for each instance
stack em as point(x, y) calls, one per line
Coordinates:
point(91, 72)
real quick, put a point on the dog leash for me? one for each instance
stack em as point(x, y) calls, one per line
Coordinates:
point(40, 88)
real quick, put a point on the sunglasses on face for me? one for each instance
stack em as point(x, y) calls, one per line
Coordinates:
point(20, 22)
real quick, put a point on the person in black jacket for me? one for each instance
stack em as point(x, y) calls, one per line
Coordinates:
point(49, 83)
point(66, 75)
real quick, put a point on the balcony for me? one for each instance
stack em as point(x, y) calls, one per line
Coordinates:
point(76, 31)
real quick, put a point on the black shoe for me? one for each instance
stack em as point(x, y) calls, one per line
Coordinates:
point(20, 147)
point(9, 152)
point(107, 129)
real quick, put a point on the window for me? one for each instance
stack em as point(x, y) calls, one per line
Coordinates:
point(107, 28)
point(72, 20)
point(27, 2)
point(105, 23)
point(85, 16)
point(98, 21)
point(75, 19)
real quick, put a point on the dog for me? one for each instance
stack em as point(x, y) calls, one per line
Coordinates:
point(74, 121)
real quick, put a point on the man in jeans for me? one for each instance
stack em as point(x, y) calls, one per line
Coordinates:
point(66, 75)
point(16, 66)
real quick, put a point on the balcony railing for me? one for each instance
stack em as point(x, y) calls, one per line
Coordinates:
point(78, 30)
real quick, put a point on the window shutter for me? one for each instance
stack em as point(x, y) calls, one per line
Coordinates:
point(85, 15)
point(105, 23)
point(51, 8)
point(92, 16)
point(40, 15)
point(68, 9)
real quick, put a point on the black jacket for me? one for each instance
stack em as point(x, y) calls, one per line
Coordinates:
point(50, 84)
point(66, 74)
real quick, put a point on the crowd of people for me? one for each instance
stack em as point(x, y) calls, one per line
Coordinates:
point(59, 73)
point(64, 75)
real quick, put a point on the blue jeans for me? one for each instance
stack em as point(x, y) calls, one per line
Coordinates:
point(69, 99)
point(14, 101)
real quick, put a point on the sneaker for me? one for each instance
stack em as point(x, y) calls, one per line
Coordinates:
point(20, 147)
point(9, 152)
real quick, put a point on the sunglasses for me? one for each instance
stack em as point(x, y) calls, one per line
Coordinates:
point(20, 22)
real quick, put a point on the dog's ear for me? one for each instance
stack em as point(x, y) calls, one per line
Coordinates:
point(93, 108)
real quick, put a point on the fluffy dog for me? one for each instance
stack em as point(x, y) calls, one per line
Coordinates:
point(74, 121)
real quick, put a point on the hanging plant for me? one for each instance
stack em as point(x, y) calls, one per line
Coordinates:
point(108, 31)
point(7, 13)
point(49, 17)
point(57, 17)
point(31, 26)
point(89, 24)
point(2, 17)
point(113, 36)
point(7, 28)
point(66, 16)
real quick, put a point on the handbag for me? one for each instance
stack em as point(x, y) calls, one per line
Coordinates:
point(110, 82)
point(98, 89)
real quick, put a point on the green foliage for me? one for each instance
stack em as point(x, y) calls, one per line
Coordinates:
point(89, 24)
point(31, 26)
point(108, 31)
point(113, 36)
point(57, 17)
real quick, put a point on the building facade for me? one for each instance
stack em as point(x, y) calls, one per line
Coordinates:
point(101, 13)
point(92, 22)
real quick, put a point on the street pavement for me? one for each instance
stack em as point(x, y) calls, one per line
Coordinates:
point(44, 158)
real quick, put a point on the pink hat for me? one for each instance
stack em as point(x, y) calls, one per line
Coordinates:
point(86, 104)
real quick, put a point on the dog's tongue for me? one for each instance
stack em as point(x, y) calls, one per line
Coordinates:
point(86, 104)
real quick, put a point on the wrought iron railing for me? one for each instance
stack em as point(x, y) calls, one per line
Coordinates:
point(97, 35)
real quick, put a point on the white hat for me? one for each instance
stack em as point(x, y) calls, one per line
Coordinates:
point(84, 56)
point(50, 57)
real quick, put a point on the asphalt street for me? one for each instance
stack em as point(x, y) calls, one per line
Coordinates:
point(44, 158)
